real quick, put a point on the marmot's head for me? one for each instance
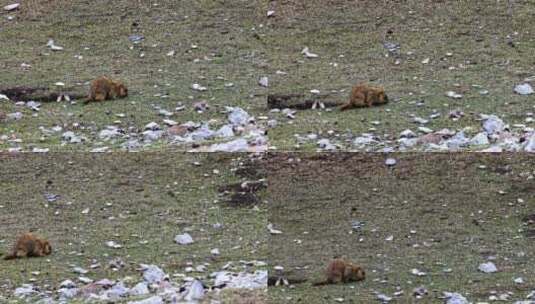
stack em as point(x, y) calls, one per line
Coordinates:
point(121, 89)
point(47, 249)
point(383, 98)
point(357, 273)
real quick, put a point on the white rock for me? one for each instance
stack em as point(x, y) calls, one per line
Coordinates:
point(109, 132)
point(492, 124)
point(198, 87)
point(117, 291)
point(308, 54)
point(237, 145)
point(67, 284)
point(70, 137)
point(455, 298)
point(263, 81)
point(273, 230)
point(215, 251)
point(363, 141)
point(454, 95)
point(195, 292)
point(530, 143)
point(270, 13)
point(68, 293)
point(325, 144)
point(150, 135)
point(113, 244)
point(488, 267)
point(384, 298)
point(225, 131)
point(170, 122)
point(151, 300)
point(390, 162)
point(417, 272)
point(80, 270)
point(152, 126)
point(139, 290)
point(420, 120)
point(184, 239)
point(237, 116)
point(425, 130)
point(85, 280)
point(258, 279)
point(519, 280)
point(24, 291)
point(407, 134)
point(11, 7)
point(479, 139)
point(14, 116)
point(524, 89)
point(165, 113)
point(457, 141)
point(152, 274)
point(55, 47)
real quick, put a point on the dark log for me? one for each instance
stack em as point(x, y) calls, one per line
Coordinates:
point(300, 101)
point(40, 94)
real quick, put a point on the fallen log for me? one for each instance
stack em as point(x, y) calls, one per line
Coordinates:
point(300, 101)
point(273, 281)
point(40, 94)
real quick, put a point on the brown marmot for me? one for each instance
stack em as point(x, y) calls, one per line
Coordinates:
point(363, 95)
point(104, 88)
point(342, 271)
point(28, 245)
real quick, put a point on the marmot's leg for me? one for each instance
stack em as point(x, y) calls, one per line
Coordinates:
point(346, 106)
point(100, 97)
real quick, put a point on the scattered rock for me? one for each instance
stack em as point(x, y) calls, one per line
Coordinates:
point(487, 267)
point(184, 239)
point(196, 291)
point(151, 300)
point(264, 82)
point(70, 137)
point(237, 116)
point(308, 54)
point(454, 95)
point(523, 89)
point(455, 298)
point(480, 139)
point(492, 124)
point(11, 7)
point(153, 274)
point(390, 162)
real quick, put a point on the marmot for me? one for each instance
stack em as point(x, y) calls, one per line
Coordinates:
point(363, 95)
point(104, 88)
point(28, 245)
point(342, 271)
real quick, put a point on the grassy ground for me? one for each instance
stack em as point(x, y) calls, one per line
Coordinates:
point(227, 36)
point(140, 201)
point(350, 35)
point(451, 203)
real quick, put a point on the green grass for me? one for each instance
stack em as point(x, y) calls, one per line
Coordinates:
point(226, 33)
point(474, 32)
point(131, 198)
point(451, 203)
